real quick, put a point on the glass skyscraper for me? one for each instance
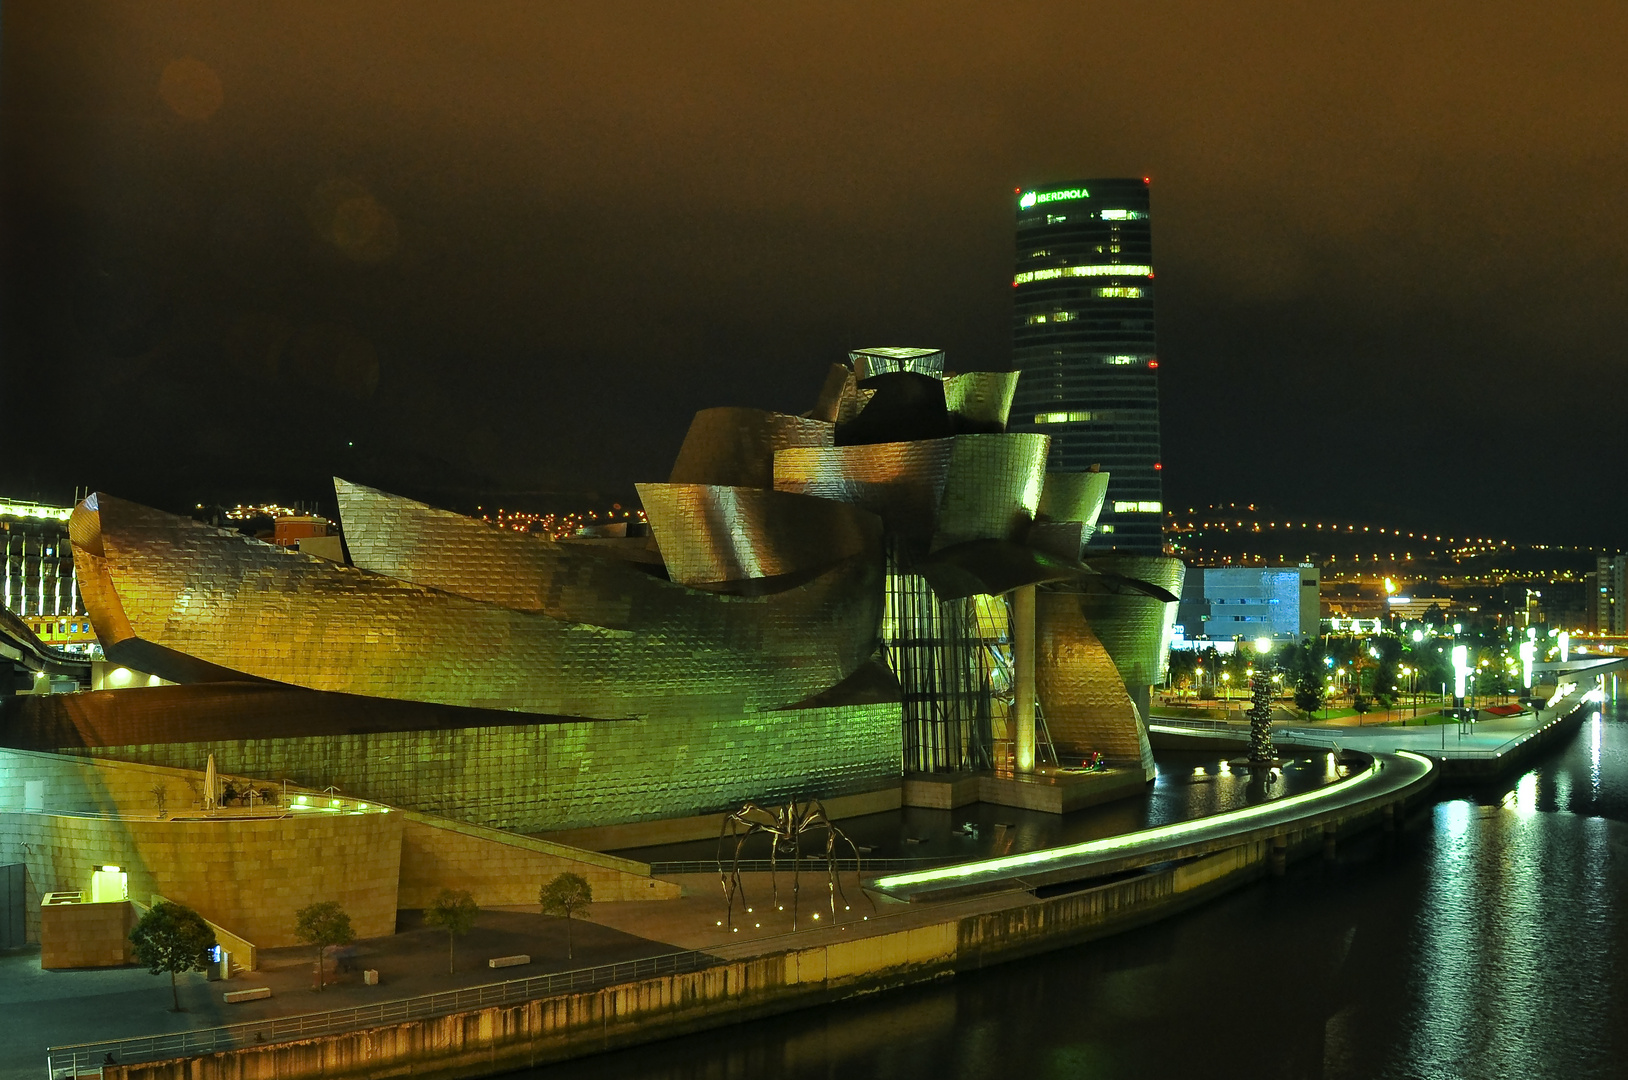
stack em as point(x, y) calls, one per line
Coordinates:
point(1083, 339)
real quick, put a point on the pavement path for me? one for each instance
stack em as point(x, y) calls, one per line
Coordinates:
point(56, 1008)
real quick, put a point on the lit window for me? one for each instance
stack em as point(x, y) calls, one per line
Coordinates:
point(1105, 528)
point(1122, 361)
point(1097, 270)
point(1063, 417)
point(1138, 507)
point(1119, 292)
point(1123, 215)
point(1054, 219)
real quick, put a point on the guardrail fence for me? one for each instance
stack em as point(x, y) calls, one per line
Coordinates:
point(68, 1062)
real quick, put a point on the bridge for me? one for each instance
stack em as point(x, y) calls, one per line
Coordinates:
point(29, 658)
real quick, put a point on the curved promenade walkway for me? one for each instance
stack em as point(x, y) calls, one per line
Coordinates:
point(1390, 778)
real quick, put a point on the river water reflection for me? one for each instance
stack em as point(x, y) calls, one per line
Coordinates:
point(1488, 940)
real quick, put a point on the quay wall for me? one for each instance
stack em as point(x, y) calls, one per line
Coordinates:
point(489, 1041)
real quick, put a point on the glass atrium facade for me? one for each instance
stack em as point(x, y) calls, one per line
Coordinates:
point(1083, 338)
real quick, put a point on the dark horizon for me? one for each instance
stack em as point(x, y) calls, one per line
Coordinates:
point(514, 249)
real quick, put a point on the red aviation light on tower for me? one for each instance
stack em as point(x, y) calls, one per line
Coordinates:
point(1158, 466)
point(1154, 364)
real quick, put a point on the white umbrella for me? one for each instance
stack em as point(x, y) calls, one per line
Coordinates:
point(210, 783)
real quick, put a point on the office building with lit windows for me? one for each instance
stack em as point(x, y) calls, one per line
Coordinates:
point(1083, 338)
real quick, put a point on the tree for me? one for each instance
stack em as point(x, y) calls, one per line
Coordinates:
point(323, 924)
point(454, 911)
point(1308, 681)
point(172, 938)
point(562, 896)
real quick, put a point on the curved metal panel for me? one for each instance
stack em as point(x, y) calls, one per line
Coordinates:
point(735, 447)
point(711, 535)
point(980, 400)
point(254, 608)
point(1134, 627)
point(992, 567)
point(902, 483)
point(1074, 496)
point(992, 488)
point(931, 494)
point(1081, 695)
point(411, 541)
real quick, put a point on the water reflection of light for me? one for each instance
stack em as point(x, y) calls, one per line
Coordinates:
point(1457, 815)
point(1524, 799)
point(1594, 757)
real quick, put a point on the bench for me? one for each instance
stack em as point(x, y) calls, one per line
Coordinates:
point(508, 961)
point(232, 997)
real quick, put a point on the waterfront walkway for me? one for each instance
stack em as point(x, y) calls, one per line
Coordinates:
point(1488, 738)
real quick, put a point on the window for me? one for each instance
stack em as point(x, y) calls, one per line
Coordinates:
point(1094, 270)
point(1141, 507)
point(1123, 215)
point(1065, 417)
point(1055, 219)
point(1120, 292)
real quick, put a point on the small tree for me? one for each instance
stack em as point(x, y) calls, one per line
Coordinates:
point(565, 894)
point(454, 911)
point(172, 938)
point(323, 924)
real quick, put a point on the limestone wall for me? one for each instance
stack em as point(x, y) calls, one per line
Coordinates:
point(538, 777)
point(70, 784)
point(86, 935)
point(501, 868)
point(247, 874)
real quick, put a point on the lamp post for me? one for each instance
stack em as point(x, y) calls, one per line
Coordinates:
point(1261, 751)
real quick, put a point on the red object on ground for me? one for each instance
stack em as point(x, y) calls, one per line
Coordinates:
point(1504, 710)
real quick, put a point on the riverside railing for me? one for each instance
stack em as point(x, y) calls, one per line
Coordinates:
point(82, 1059)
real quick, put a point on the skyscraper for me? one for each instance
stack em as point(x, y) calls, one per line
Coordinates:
point(1083, 339)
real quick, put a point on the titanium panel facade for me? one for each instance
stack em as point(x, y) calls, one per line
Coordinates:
point(537, 777)
point(980, 400)
point(735, 447)
point(1078, 686)
point(254, 608)
point(934, 493)
point(711, 536)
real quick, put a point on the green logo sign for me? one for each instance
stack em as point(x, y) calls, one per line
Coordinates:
point(1032, 198)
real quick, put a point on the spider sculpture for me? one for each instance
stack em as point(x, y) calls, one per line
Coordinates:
point(785, 827)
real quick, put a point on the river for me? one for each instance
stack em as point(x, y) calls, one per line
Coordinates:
point(1486, 940)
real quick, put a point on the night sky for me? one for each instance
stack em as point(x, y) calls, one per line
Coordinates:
point(488, 251)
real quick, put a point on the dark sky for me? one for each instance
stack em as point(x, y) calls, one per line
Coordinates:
point(513, 246)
